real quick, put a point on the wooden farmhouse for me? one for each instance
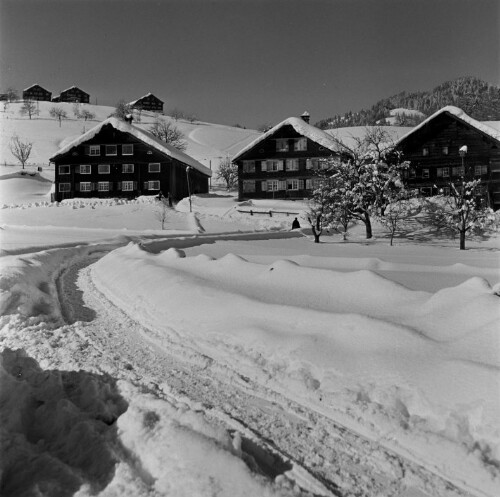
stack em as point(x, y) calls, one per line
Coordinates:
point(282, 162)
point(118, 159)
point(36, 92)
point(148, 102)
point(433, 149)
point(73, 94)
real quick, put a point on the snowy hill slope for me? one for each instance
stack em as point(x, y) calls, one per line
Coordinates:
point(206, 142)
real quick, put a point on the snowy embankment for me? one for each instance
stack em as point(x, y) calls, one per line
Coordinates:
point(417, 371)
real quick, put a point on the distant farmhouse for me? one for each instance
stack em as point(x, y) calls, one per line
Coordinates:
point(450, 144)
point(118, 159)
point(36, 92)
point(148, 102)
point(282, 162)
point(73, 94)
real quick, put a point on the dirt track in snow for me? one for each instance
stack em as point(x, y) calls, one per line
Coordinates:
point(280, 434)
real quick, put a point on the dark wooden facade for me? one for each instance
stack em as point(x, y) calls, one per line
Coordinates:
point(114, 163)
point(273, 168)
point(36, 92)
point(148, 102)
point(73, 94)
point(433, 152)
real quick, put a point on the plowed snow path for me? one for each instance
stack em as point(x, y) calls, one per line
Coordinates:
point(327, 458)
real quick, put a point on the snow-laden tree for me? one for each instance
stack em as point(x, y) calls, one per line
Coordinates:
point(399, 213)
point(463, 210)
point(122, 110)
point(20, 150)
point(227, 172)
point(86, 115)
point(363, 179)
point(58, 113)
point(321, 205)
point(169, 133)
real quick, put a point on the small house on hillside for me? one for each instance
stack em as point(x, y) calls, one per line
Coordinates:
point(148, 102)
point(282, 162)
point(449, 145)
point(118, 159)
point(73, 94)
point(36, 92)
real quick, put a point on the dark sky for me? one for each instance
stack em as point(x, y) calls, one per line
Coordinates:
point(248, 61)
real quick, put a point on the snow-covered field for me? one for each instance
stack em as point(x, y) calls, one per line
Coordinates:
point(227, 355)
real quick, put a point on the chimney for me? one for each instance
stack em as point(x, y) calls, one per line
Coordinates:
point(129, 118)
point(305, 117)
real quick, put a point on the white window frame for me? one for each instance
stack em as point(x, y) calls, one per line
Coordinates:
point(107, 147)
point(248, 185)
point(95, 150)
point(282, 145)
point(480, 170)
point(292, 184)
point(125, 168)
point(61, 169)
point(154, 185)
point(274, 165)
point(273, 185)
point(126, 145)
point(103, 186)
point(426, 174)
point(150, 170)
point(425, 151)
point(248, 166)
point(446, 172)
point(85, 186)
point(85, 169)
point(292, 164)
point(457, 171)
point(101, 166)
point(127, 186)
point(64, 187)
point(300, 144)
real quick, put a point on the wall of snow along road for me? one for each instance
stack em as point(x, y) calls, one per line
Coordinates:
point(417, 371)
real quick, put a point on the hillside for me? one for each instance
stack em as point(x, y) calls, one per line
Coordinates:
point(206, 142)
point(477, 98)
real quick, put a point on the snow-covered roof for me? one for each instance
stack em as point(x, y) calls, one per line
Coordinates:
point(462, 116)
point(33, 86)
point(302, 128)
point(141, 135)
point(74, 88)
point(145, 96)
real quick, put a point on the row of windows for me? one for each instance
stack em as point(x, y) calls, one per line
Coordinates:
point(445, 150)
point(272, 165)
point(275, 185)
point(446, 172)
point(153, 167)
point(105, 186)
point(298, 144)
point(95, 150)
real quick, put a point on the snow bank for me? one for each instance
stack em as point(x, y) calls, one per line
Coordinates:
point(410, 363)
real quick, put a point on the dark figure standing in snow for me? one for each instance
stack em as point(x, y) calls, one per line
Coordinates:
point(295, 224)
point(169, 199)
point(160, 195)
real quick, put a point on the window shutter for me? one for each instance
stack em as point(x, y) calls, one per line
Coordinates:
point(77, 187)
point(308, 184)
point(135, 185)
point(301, 184)
point(309, 164)
point(93, 187)
point(280, 165)
point(263, 186)
point(282, 185)
point(119, 185)
point(263, 165)
point(146, 185)
point(86, 150)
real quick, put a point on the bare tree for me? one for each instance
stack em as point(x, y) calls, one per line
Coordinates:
point(76, 110)
point(28, 107)
point(122, 110)
point(87, 115)
point(161, 212)
point(58, 113)
point(227, 172)
point(20, 150)
point(12, 94)
point(169, 133)
point(177, 114)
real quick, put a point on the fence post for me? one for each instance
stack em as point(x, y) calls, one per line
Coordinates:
point(270, 214)
point(251, 212)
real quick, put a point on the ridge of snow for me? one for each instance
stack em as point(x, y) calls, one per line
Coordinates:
point(140, 134)
point(462, 116)
point(300, 126)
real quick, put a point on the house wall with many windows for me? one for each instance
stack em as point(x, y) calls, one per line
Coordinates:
point(36, 92)
point(115, 163)
point(432, 149)
point(283, 163)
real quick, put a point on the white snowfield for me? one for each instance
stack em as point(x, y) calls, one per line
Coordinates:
point(227, 355)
